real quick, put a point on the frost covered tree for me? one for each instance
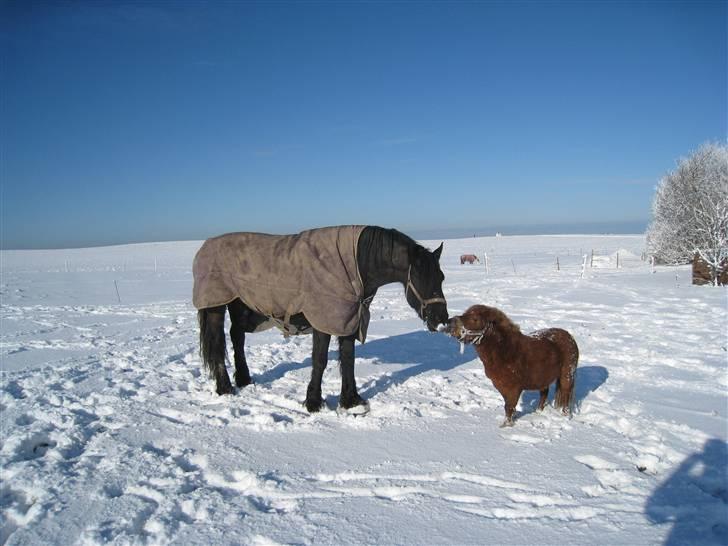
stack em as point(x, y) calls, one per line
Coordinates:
point(690, 211)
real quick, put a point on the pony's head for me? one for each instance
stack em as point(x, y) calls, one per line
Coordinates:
point(480, 322)
point(424, 286)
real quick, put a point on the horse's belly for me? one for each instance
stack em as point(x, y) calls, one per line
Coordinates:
point(297, 325)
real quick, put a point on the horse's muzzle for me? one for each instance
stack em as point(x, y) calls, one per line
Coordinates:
point(436, 317)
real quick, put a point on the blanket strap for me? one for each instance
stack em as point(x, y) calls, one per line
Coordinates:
point(287, 321)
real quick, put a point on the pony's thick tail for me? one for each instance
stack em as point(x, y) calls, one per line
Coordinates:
point(566, 385)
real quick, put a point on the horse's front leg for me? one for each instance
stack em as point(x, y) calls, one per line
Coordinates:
point(238, 320)
point(320, 357)
point(349, 396)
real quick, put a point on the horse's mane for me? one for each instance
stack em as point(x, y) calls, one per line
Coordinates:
point(391, 236)
point(378, 244)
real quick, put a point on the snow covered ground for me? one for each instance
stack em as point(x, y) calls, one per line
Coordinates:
point(111, 431)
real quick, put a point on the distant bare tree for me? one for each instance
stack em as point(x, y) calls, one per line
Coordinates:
point(690, 210)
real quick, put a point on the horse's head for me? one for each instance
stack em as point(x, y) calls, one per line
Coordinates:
point(424, 286)
point(475, 324)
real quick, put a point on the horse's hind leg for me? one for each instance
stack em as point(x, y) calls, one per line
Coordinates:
point(542, 400)
point(238, 324)
point(212, 346)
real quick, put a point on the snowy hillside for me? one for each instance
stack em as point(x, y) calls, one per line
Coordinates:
point(111, 432)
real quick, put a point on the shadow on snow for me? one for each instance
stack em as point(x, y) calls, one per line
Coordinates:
point(695, 498)
point(425, 352)
point(588, 380)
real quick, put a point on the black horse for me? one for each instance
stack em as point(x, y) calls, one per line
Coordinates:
point(383, 256)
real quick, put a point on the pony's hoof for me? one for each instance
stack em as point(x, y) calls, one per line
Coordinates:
point(506, 423)
point(314, 406)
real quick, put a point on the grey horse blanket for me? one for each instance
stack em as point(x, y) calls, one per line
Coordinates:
point(314, 272)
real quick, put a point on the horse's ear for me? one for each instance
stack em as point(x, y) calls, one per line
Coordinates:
point(438, 252)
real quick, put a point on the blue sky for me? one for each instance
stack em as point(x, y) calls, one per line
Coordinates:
point(151, 121)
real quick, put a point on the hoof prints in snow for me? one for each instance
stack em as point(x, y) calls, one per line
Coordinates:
point(111, 431)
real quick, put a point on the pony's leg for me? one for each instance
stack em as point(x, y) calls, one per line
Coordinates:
point(320, 358)
point(349, 396)
point(238, 325)
point(566, 383)
point(542, 400)
point(212, 346)
point(565, 387)
point(511, 400)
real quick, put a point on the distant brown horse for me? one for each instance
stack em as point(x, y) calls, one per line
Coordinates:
point(515, 362)
point(470, 258)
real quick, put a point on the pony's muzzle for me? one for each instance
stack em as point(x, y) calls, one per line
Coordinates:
point(454, 327)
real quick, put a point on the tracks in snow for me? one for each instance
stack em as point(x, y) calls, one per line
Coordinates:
point(120, 424)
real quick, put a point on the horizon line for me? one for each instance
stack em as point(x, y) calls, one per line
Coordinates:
point(624, 227)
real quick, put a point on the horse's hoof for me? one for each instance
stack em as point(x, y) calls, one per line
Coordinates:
point(314, 406)
point(227, 389)
point(244, 382)
point(349, 402)
point(353, 405)
point(506, 423)
point(359, 409)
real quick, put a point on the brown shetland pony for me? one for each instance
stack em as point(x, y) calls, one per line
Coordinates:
point(470, 258)
point(515, 362)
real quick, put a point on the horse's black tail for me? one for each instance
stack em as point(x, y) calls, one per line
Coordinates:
point(212, 345)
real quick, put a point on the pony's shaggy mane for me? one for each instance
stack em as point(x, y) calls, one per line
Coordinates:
point(502, 323)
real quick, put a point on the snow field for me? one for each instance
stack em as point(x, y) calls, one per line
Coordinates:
point(111, 431)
